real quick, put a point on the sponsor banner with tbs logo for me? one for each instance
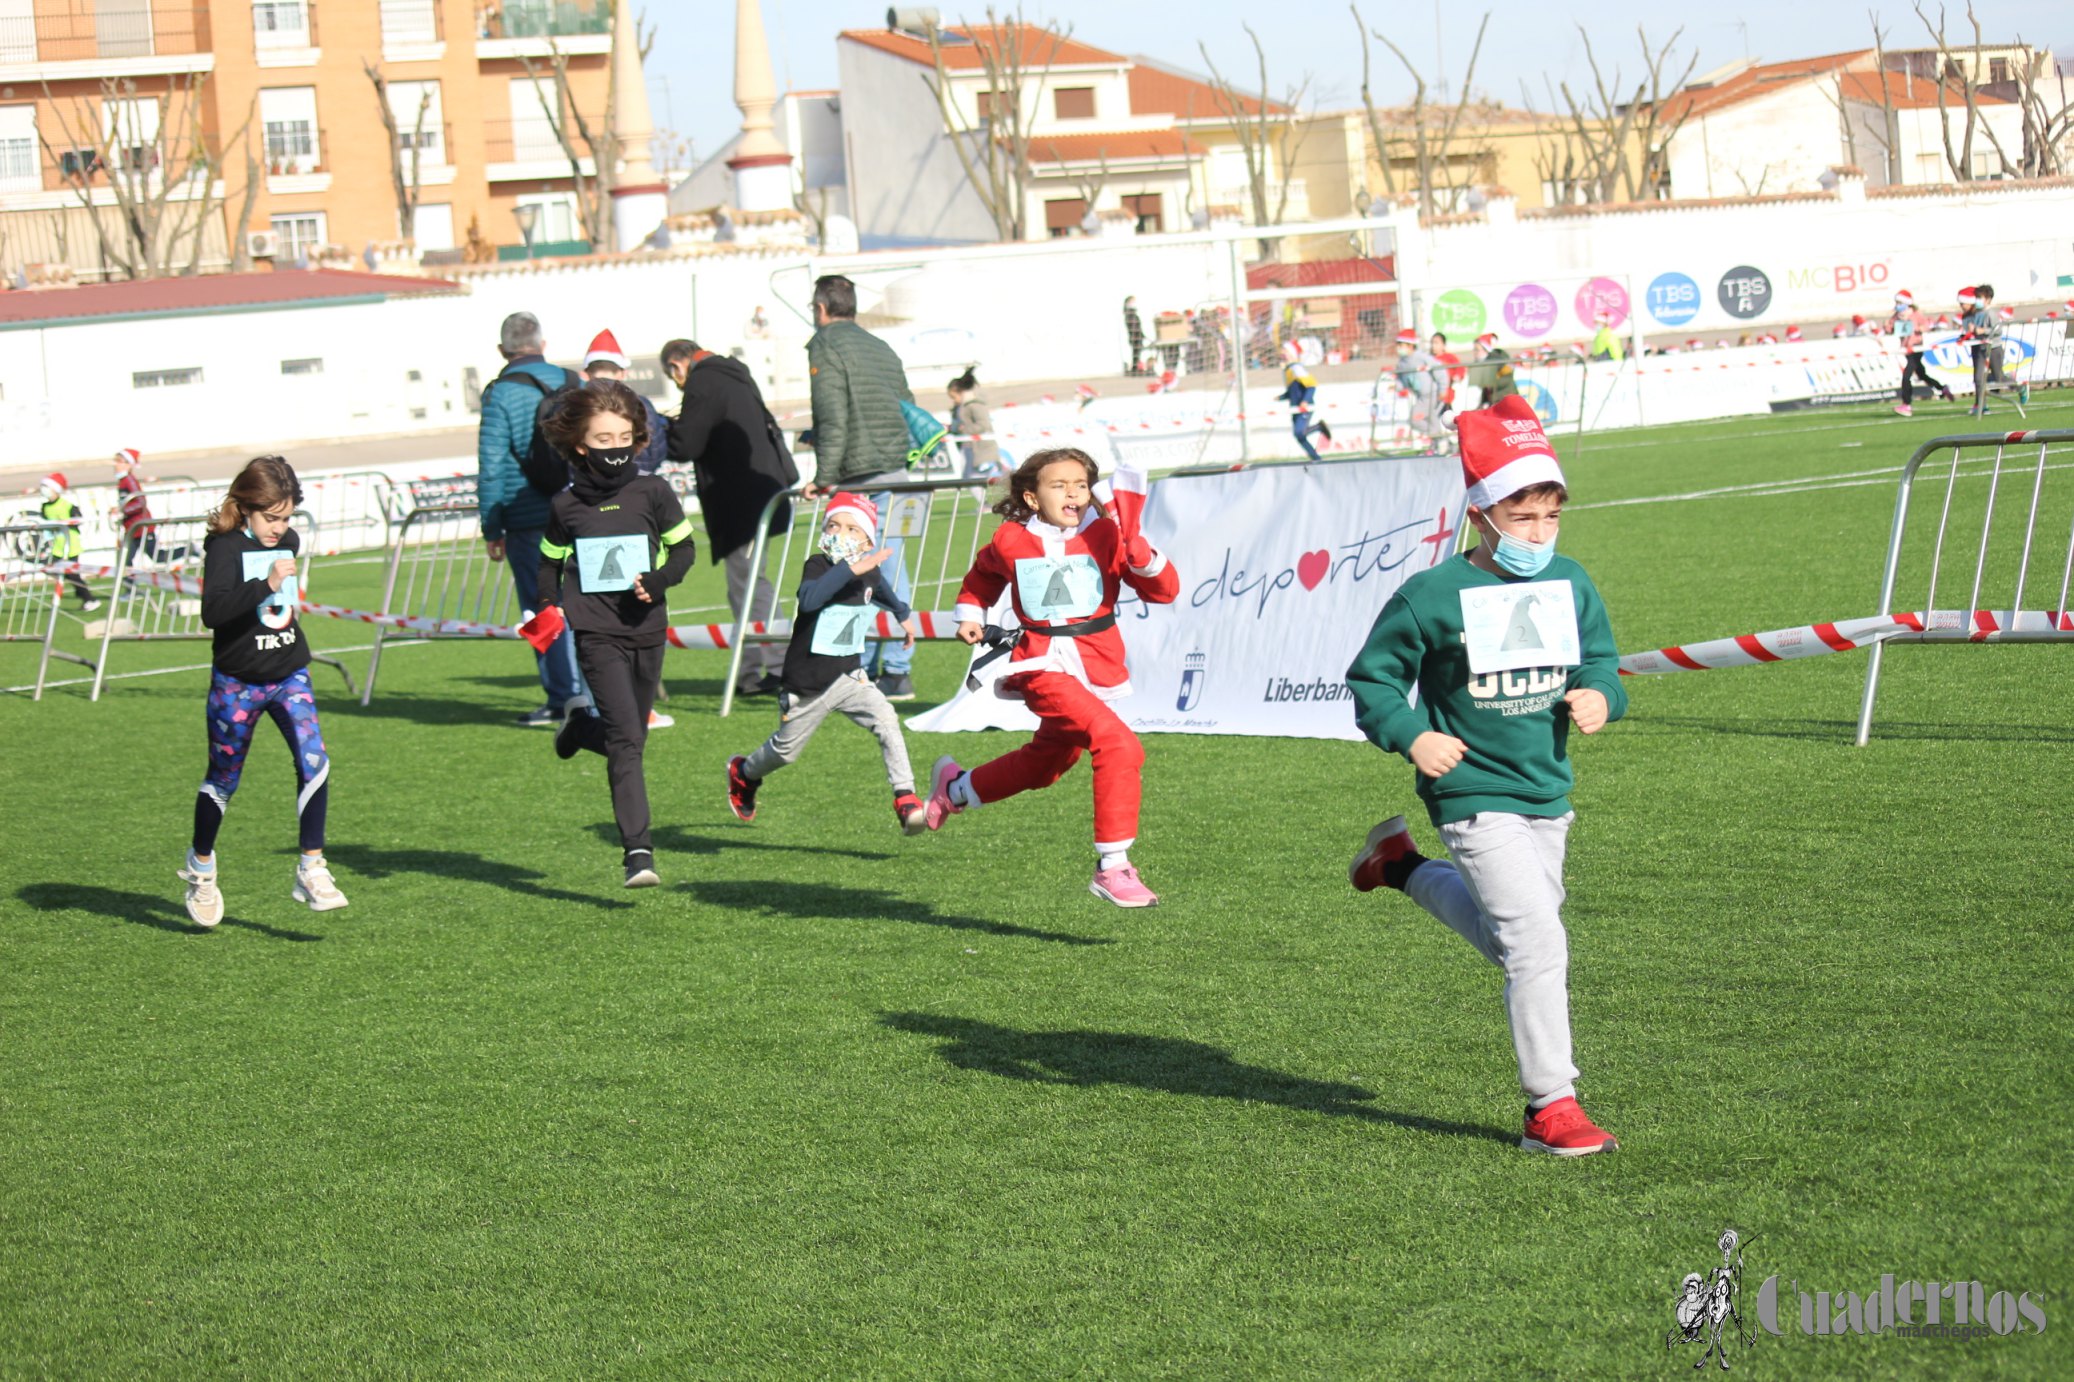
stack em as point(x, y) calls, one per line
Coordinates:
point(1283, 571)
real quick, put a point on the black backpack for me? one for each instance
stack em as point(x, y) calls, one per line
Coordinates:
point(545, 468)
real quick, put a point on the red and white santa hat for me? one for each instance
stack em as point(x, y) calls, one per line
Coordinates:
point(858, 509)
point(1857, 319)
point(1967, 297)
point(1504, 451)
point(1489, 340)
point(1408, 337)
point(1291, 352)
point(2007, 314)
point(1942, 320)
point(605, 347)
point(1793, 333)
point(129, 455)
point(1904, 298)
point(1839, 330)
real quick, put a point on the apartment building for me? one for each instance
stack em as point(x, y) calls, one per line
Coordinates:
point(95, 92)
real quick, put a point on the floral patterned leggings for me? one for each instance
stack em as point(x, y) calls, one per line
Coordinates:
point(234, 711)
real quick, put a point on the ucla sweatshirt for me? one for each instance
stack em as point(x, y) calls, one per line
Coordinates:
point(1515, 723)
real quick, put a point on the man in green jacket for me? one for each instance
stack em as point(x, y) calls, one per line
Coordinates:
point(1492, 371)
point(860, 436)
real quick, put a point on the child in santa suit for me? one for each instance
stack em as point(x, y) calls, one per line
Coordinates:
point(1065, 563)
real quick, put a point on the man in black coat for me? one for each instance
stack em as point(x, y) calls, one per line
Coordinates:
point(740, 461)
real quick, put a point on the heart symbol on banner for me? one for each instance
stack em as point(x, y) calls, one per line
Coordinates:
point(1312, 566)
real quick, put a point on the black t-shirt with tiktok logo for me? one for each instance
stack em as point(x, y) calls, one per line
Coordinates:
point(593, 550)
point(257, 638)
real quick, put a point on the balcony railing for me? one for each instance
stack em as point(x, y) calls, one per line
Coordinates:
point(292, 147)
point(284, 24)
point(545, 19)
point(407, 22)
point(112, 29)
point(25, 167)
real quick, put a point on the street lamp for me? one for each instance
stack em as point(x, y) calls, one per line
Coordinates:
point(525, 213)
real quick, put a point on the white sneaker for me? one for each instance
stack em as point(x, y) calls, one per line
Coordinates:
point(204, 902)
point(658, 720)
point(313, 885)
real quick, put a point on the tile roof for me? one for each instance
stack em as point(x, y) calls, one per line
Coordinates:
point(1761, 80)
point(168, 297)
point(1124, 145)
point(1039, 47)
point(1905, 92)
point(1158, 90)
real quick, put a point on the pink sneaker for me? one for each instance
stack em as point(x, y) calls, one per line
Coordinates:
point(1123, 887)
point(940, 807)
point(1904, 409)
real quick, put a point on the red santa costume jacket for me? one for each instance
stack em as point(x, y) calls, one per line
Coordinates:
point(1062, 577)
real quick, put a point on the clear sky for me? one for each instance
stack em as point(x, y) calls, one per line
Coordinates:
point(691, 70)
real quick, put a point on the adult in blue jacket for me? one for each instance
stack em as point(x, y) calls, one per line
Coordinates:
point(514, 514)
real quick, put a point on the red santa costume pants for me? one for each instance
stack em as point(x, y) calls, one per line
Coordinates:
point(1073, 718)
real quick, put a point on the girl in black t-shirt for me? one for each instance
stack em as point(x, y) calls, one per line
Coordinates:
point(629, 542)
point(261, 667)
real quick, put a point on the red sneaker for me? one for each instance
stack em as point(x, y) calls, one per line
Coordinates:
point(1561, 1129)
point(1387, 843)
point(914, 817)
point(741, 792)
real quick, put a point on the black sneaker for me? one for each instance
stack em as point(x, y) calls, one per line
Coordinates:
point(546, 717)
point(569, 738)
point(641, 869)
point(1324, 429)
point(741, 790)
point(897, 686)
point(769, 684)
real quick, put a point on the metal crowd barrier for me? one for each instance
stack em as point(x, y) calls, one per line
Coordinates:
point(31, 594)
point(1975, 622)
point(939, 524)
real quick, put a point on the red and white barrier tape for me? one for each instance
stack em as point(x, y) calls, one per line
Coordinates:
point(1849, 635)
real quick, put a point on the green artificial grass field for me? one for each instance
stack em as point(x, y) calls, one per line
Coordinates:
point(836, 1103)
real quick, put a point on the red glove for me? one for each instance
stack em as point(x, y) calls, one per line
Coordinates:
point(544, 628)
point(1138, 552)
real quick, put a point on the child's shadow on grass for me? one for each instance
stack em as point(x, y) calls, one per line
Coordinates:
point(441, 711)
point(816, 901)
point(142, 909)
point(1167, 1064)
point(370, 862)
point(675, 839)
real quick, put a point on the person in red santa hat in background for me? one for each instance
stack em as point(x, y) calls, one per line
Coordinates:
point(605, 360)
point(1065, 563)
point(59, 508)
point(132, 512)
point(1908, 323)
point(1793, 335)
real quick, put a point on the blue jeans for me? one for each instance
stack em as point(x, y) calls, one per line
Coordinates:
point(558, 675)
point(891, 659)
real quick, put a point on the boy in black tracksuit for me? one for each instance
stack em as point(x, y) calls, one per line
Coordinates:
point(630, 543)
point(824, 672)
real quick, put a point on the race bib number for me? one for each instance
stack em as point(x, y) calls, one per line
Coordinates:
point(608, 564)
point(841, 630)
point(1523, 624)
point(277, 611)
point(1058, 590)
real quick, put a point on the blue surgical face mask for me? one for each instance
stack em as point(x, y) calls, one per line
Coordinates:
point(1519, 557)
point(843, 544)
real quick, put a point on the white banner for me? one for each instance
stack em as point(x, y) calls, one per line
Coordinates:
point(1283, 571)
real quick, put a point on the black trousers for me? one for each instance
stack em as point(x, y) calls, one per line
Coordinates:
point(623, 681)
point(1915, 370)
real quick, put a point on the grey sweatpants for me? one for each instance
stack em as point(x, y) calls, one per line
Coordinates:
point(853, 695)
point(1503, 893)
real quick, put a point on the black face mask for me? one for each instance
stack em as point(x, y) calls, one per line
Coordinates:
point(602, 471)
point(607, 461)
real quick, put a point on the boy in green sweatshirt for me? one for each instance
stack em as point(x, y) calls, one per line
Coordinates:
point(1505, 648)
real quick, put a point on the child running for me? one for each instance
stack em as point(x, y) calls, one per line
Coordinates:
point(261, 666)
point(631, 542)
point(824, 665)
point(1506, 647)
point(1065, 563)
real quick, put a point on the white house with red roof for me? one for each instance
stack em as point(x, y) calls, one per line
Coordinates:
point(1758, 129)
point(1117, 144)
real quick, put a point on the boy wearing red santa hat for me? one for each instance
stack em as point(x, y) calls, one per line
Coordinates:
point(1065, 562)
point(1505, 648)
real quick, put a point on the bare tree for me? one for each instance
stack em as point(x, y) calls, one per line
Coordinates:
point(1435, 184)
point(404, 175)
point(2048, 116)
point(812, 203)
point(573, 131)
point(1605, 148)
point(160, 173)
point(994, 152)
point(1269, 140)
